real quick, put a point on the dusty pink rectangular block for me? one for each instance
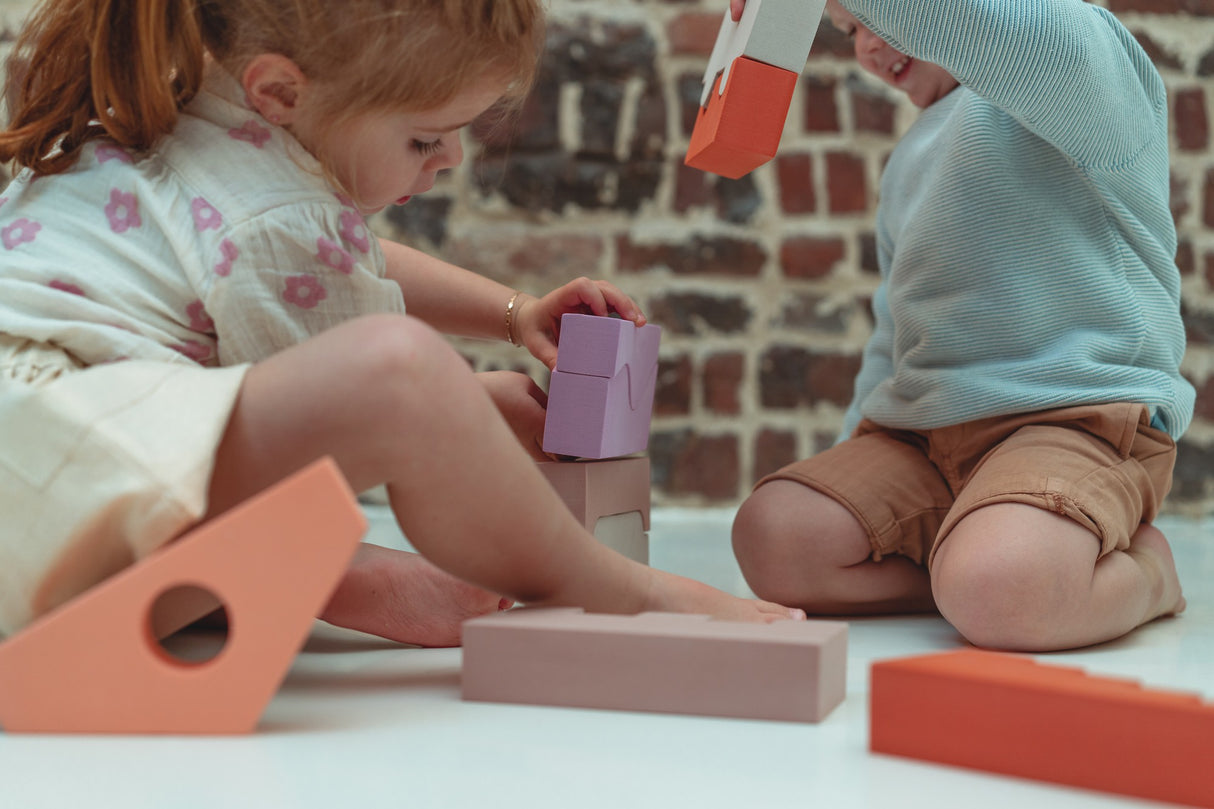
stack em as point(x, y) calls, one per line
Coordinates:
point(664, 662)
point(600, 399)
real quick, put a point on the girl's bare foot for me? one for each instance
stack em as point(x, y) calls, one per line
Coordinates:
point(671, 593)
point(1149, 547)
point(402, 597)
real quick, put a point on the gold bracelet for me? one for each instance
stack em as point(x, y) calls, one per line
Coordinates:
point(510, 318)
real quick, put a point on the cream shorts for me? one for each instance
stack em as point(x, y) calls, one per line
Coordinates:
point(99, 466)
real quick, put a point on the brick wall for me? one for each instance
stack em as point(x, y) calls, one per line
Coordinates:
point(762, 284)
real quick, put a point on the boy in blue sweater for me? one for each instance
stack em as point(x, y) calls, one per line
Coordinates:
point(1013, 426)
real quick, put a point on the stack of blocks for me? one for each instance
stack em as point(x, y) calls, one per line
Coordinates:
point(749, 84)
point(600, 402)
point(599, 406)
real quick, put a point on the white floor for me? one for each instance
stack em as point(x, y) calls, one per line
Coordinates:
point(362, 723)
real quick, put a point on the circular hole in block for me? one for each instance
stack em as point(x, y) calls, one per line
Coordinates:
point(189, 624)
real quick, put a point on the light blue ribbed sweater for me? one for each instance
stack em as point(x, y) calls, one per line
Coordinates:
point(1025, 241)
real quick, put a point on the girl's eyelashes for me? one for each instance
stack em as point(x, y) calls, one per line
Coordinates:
point(426, 147)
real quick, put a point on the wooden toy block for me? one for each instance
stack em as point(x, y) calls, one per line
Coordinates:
point(663, 662)
point(749, 83)
point(94, 665)
point(604, 495)
point(624, 534)
point(600, 399)
point(1009, 714)
point(597, 489)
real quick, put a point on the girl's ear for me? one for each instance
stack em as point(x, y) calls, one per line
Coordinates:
point(275, 86)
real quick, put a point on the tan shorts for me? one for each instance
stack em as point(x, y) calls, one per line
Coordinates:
point(99, 466)
point(1102, 466)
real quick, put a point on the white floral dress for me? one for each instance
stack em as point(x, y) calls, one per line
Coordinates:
point(134, 292)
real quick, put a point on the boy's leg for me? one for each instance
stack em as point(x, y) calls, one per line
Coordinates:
point(1017, 577)
point(845, 532)
point(393, 403)
point(1049, 545)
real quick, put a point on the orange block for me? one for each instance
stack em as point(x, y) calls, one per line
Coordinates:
point(1009, 714)
point(95, 666)
point(739, 130)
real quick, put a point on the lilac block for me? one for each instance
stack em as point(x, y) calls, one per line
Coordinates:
point(600, 399)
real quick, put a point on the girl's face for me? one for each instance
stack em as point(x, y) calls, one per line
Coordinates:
point(923, 82)
point(384, 158)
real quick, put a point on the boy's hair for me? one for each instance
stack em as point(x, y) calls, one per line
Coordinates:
point(84, 69)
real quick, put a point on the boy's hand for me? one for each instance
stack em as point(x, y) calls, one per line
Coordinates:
point(537, 321)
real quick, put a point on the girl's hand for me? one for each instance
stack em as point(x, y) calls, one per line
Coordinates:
point(537, 321)
point(735, 9)
point(522, 403)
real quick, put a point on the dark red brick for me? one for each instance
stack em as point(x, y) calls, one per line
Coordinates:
point(1191, 122)
point(791, 376)
point(846, 187)
point(774, 450)
point(810, 257)
point(723, 377)
point(795, 173)
point(688, 463)
point(698, 255)
point(693, 33)
point(821, 110)
point(672, 396)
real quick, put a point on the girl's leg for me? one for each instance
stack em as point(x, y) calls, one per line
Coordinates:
point(1013, 576)
point(797, 546)
point(393, 403)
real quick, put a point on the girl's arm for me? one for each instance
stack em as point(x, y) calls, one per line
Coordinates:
point(458, 301)
point(451, 299)
point(1067, 70)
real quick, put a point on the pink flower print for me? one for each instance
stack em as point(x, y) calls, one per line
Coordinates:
point(205, 216)
point(334, 255)
point(251, 132)
point(344, 199)
point(199, 319)
point(304, 291)
point(64, 286)
point(19, 232)
point(230, 254)
point(354, 230)
point(194, 350)
point(3, 200)
point(112, 151)
point(123, 211)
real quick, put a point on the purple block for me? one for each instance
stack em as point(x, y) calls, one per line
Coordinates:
point(600, 399)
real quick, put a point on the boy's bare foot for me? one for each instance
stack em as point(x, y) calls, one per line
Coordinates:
point(1149, 547)
point(671, 593)
point(402, 597)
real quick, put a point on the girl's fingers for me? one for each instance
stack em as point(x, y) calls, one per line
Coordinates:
point(623, 305)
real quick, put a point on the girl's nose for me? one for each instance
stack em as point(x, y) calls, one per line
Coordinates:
point(450, 156)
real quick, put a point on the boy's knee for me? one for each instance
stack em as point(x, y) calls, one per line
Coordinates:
point(759, 529)
point(782, 538)
point(996, 603)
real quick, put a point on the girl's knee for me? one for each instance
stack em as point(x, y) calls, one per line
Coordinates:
point(385, 346)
